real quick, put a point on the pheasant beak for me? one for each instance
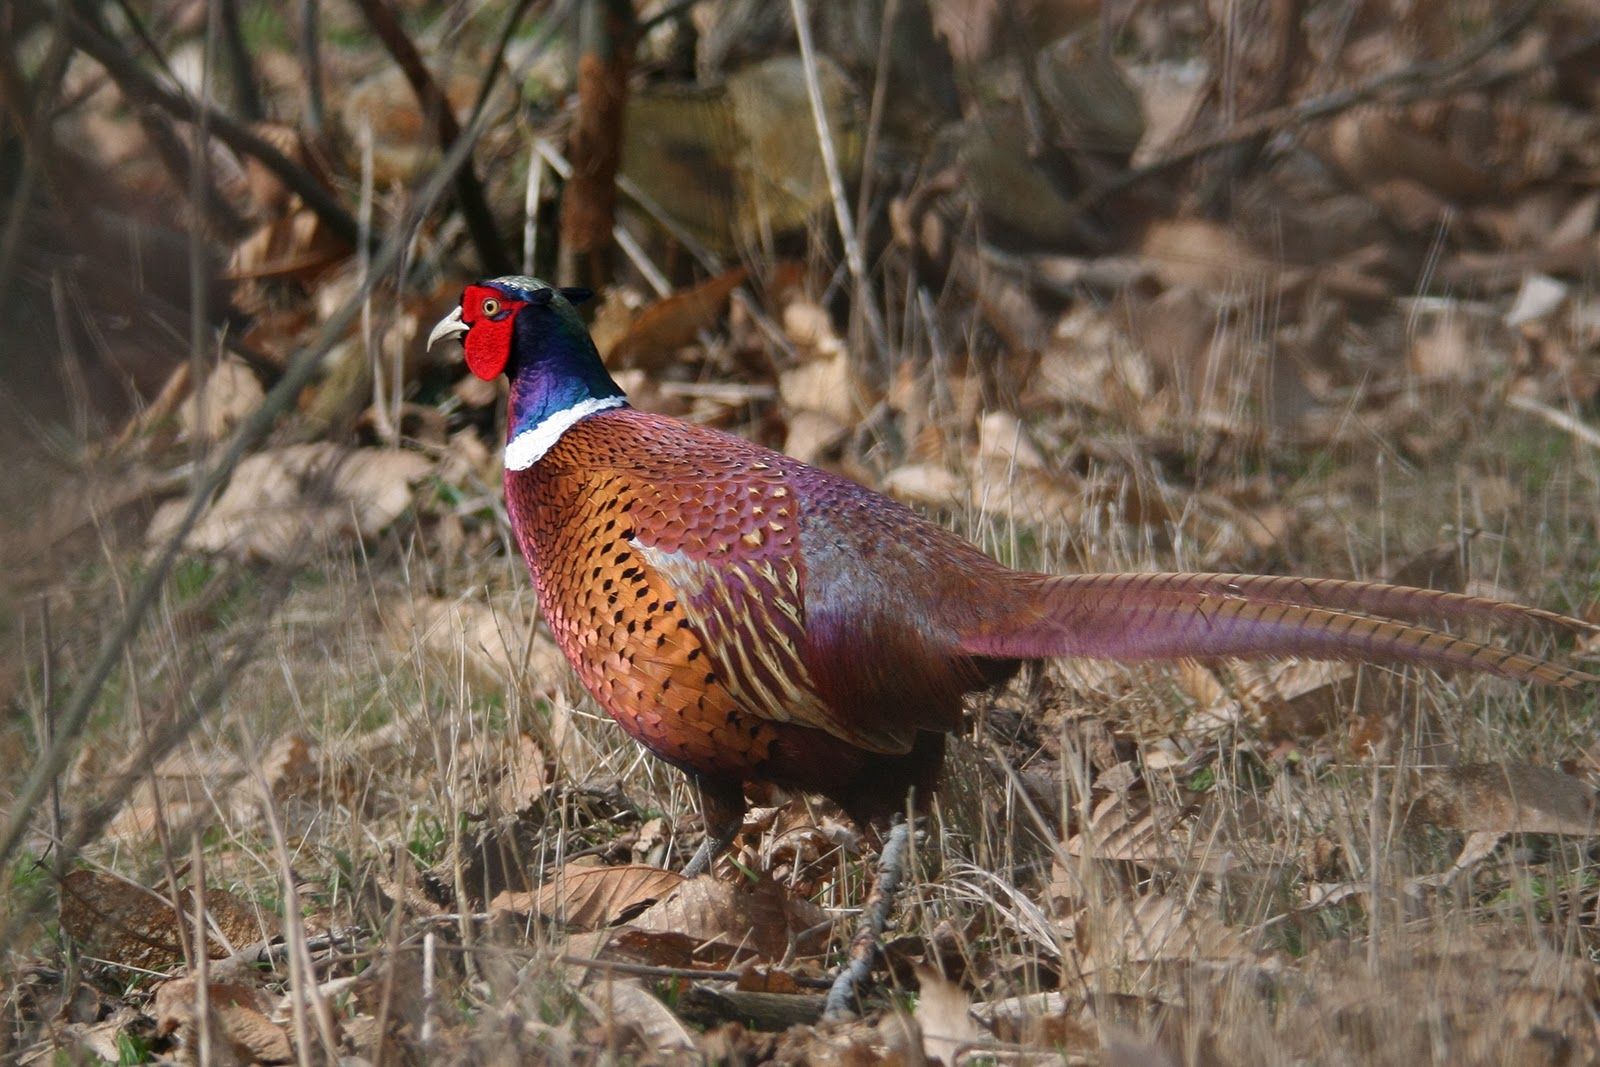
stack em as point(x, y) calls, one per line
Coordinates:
point(449, 326)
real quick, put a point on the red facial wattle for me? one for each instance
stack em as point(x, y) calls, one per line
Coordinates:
point(488, 342)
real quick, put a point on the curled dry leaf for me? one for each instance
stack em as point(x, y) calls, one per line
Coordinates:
point(944, 1014)
point(1507, 798)
point(1372, 148)
point(1136, 829)
point(1209, 256)
point(736, 921)
point(114, 919)
point(591, 897)
point(237, 1015)
point(279, 500)
point(674, 321)
point(1155, 930)
point(230, 393)
point(627, 1003)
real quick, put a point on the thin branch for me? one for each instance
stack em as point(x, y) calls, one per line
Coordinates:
point(843, 994)
point(245, 94)
point(381, 16)
point(1575, 427)
point(648, 970)
point(801, 10)
point(1413, 82)
point(301, 370)
point(139, 85)
point(311, 62)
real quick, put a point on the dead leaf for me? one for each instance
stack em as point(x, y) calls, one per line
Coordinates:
point(627, 1003)
point(1003, 441)
point(924, 483)
point(523, 776)
point(734, 921)
point(116, 920)
point(1155, 929)
point(237, 1015)
point(1133, 828)
point(1538, 298)
point(230, 394)
point(1507, 798)
point(590, 897)
point(278, 500)
point(944, 1013)
point(825, 385)
point(665, 326)
point(1445, 351)
point(1296, 699)
point(811, 434)
point(1370, 147)
point(657, 948)
point(1209, 256)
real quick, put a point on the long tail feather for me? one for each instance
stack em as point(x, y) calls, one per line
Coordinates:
point(1165, 616)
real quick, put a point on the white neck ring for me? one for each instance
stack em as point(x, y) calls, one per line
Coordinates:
point(529, 446)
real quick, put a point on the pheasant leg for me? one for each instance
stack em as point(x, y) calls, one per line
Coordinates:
point(722, 807)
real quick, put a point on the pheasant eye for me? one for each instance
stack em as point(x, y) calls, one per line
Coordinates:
point(491, 306)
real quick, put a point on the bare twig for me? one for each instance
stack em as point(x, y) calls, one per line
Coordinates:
point(842, 994)
point(385, 23)
point(1577, 428)
point(24, 108)
point(801, 10)
point(647, 970)
point(1413, 82)
point(311, 61)
point(138, 84)
point(301, 369)
point(880, 96)
point(245, 95)
point(625, 240)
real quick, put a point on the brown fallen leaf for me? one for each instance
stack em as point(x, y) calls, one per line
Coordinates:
point(627, 1003)
point(1370, 147)
point(276, 500)
point(665, 326)
point(1155, 929)
point(1135, 829)
point(1507, 798)
point(1209, 256)
point(735, 921)
point(944, 1013)
point(113, 919)
point(237, 1015)
point(591, 897)
point(657, 948)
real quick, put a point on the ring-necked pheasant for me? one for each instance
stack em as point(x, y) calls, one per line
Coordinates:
point(747, 617)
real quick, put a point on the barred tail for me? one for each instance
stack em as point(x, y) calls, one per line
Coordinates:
point(1166, 616)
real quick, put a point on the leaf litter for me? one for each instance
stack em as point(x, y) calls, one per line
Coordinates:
point(1354, 341)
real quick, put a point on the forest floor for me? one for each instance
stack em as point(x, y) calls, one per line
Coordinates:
point(337, 794)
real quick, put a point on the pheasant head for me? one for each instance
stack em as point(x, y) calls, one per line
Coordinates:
point(531, 332)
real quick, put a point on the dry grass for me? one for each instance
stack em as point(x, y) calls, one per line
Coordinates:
point(1183, 864)
point(1284, 910)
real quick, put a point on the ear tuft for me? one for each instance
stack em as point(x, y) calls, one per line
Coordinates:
point(540, 297)
point(576, 294)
